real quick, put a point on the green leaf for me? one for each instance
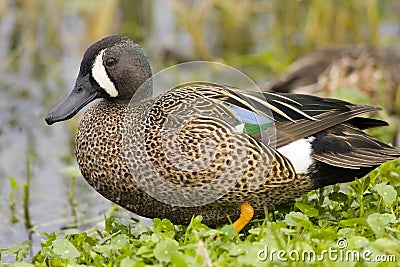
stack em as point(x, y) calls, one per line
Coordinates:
point(338, 196)
point(109, 224)
point(20, 250)
point(353, 222)
point(179, 260)
point(358, 242)
point(145, 252)
point(346, 232)
point(251, 259)
point(127, 262)
point(324, 233)
point(378, 221)
point(103, 249)
point(119, 241)
point(164, 250)
point(387, 243)
point(297, 219)
point(237, 250)
point(387, 192)
point(229, 231)
point(308, 210)
point(65, 249)
point(164, 226)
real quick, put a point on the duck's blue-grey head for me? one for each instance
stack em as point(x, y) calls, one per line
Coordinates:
point(112, 68)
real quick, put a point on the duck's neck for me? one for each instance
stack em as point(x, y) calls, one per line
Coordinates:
point(134, 93)
point(120, 101)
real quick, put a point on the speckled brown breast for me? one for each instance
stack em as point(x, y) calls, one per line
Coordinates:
point(104, 149)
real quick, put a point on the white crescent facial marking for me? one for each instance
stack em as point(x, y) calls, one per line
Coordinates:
point(299, 153)
point(100, 75)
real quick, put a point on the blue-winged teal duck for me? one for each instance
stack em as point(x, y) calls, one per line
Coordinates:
point(319, 141)
point(373, 72)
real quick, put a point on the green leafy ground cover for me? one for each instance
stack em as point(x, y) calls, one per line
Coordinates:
point(356, 224)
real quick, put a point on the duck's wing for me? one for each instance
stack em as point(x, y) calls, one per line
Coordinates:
point(349, 147)
point(321, 114)
point(295, 116)
point(344, 152)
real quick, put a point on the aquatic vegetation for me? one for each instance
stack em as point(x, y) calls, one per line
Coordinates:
point(359, 221)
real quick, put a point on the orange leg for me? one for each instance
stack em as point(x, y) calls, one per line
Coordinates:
point(246, 214)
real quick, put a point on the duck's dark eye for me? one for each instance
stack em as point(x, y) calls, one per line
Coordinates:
point(110, 61)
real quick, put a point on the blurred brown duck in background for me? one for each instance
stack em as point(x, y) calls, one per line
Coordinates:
point(373, 72)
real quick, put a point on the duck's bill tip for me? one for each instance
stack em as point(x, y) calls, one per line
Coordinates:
point(50, 119)
point(75, 101)
point(56, 115)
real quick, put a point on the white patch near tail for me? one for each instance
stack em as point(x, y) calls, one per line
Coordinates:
point(299, 153)
point(100, 75)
